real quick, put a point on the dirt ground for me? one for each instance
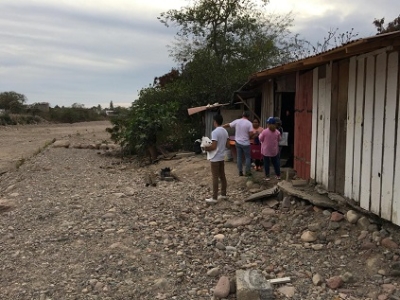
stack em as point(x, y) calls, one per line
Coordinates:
point(22, 141)
point(80, 224)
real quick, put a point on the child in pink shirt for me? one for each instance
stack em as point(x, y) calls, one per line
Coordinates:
point(269, 139)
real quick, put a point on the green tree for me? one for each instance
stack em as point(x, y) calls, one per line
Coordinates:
point(220, 42)
point(12, 101)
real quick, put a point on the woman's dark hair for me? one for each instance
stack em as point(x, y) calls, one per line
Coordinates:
point(219, 119)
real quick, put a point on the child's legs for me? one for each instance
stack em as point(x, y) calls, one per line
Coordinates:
point(276, 164)
point(266, 165)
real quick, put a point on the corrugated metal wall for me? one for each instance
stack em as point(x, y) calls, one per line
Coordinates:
point(372, 175)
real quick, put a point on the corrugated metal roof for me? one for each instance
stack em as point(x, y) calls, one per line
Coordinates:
point(352, 48)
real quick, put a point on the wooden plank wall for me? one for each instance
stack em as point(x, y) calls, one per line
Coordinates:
point(372, 175)
point(267, 106)
point(320, 151)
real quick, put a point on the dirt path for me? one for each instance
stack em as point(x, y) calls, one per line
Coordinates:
point(76, 224)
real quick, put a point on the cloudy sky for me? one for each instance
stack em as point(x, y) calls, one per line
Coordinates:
point(96, 51)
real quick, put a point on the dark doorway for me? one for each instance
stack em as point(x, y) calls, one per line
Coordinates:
point(287, 117)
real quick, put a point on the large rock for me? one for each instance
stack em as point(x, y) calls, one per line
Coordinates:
point(222, 288)
point(251, 285)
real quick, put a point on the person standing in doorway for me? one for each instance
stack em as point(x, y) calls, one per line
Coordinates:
point(243, 134)
point(220, 141)
point(269, 139)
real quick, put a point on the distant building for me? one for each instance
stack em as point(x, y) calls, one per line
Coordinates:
point(110, 112)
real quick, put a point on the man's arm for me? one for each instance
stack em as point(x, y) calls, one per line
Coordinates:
point(228, 143)
point(227, 125)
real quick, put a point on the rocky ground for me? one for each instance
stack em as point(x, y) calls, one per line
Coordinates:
point(79, 224)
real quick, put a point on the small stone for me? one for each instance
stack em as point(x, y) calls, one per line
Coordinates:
point(268, 212)
point(314, 226)
point(98, 287)
point(334, 282)
point(214, 272)
point(108, 215)
point(272, 203)
point(161, 284)
point(219, 237)
point(363, 235)
point(336, 217)
point(230, 248)
point(389, 244)
point(317, 279)
point(326, 213)
point(363, 222)
point(288, 291)
point(382, 272)
point(333, 225)
point(317, 247)
point(61, 144)
point(352, 217)
point(286, 202)
point(220, 246)
point(239, 221)
point(222, 288)
point(347, 277)
point(309, 236)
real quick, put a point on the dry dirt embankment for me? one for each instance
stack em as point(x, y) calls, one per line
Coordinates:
point(81, 225)
point(22, 141)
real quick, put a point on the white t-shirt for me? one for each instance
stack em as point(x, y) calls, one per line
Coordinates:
point(220, 135)
point(242, 128)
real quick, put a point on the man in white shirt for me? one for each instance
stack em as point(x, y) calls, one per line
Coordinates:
point(243, 134)
point(220, 141)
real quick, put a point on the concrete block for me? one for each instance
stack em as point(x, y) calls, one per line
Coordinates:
point(251, 285)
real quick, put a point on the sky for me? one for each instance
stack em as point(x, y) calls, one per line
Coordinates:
point(95, 51)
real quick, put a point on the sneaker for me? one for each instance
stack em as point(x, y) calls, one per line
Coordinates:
point(221, 197)
point(211, 200)
point(240, 173)
point(267, 179)
point(278, 177)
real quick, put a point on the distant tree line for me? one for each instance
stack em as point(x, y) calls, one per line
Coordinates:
point(14, 110)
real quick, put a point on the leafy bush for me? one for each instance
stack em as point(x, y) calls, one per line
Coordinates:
point(151, 121)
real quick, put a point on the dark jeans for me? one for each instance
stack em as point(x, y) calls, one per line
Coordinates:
point(275, 162)
point(243, 150)
point(218, 172)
